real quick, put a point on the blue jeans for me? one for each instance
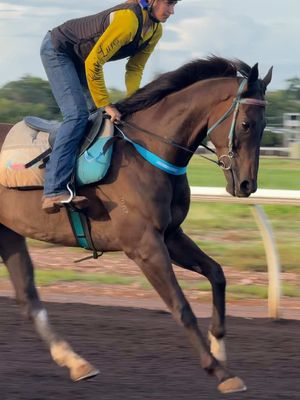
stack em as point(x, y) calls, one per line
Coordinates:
point(70, 92)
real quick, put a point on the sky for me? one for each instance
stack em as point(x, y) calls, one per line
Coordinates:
point(263, 31)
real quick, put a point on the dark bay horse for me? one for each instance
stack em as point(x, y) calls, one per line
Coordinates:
point(139, 209)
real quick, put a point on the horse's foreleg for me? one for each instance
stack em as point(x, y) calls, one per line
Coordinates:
point(14, 253)
point(152, 256)
point(185, 253)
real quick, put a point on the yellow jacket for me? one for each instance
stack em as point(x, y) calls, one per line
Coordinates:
point(120, 31)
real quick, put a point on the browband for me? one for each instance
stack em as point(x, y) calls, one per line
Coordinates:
point(254, 102)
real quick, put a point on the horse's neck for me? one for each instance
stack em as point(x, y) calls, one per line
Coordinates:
point(181, 117)
point(201, 100)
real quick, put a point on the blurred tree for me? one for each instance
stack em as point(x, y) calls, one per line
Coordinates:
point(32, 96)
point(280, 102)
point(30, 90)
point(12, 112)
point(27, 96)
point(272, 139)
point(294, 87)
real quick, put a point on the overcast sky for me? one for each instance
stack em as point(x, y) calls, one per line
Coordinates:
point(263, 31)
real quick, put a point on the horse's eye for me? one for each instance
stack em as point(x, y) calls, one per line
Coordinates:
point(245, 125)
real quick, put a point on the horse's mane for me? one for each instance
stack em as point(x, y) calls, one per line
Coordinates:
point(173, 81)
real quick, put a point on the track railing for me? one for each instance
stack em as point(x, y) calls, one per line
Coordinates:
point(256, 200)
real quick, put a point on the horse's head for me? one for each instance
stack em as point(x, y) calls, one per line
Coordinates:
point(237, 127)
point(205, 96)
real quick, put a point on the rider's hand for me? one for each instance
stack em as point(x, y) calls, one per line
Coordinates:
point(114, 113)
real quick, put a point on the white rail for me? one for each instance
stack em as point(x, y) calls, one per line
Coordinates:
point(262, 196)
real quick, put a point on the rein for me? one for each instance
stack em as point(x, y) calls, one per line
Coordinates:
point(234, 108)
point(161, 139)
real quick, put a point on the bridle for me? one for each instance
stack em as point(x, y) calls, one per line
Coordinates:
point(225, 160)
point(234, 108)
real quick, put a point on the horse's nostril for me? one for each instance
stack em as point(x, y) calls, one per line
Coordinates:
point(245, 187)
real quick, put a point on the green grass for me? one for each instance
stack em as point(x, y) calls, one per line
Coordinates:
point(259, 292)
point(50, 277)
point(274, 173)
point(228, 233)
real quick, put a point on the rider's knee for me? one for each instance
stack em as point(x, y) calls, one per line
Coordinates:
point(77, 117)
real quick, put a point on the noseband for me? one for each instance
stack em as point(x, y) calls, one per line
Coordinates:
point(225, 160)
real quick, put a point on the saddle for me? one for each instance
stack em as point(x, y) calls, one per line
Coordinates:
point(95, 123)
point(28, 144)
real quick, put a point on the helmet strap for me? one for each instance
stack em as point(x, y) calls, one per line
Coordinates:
point(151, 16)
point(144, 4)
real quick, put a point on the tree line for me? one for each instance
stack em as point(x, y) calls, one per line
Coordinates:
point(32, 96)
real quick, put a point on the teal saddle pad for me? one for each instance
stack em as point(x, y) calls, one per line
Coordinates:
point(93, 163)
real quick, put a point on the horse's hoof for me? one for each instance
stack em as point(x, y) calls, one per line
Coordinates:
point(85, 371)
point(232, 385)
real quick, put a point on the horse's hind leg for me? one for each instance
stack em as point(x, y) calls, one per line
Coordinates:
point(14, 253)
point(152, 256)
point(185, 253)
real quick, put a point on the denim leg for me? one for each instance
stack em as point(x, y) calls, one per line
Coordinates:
point(88, 98)
point(68, 93)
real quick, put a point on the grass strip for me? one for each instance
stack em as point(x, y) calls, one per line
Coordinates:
point(50, 277)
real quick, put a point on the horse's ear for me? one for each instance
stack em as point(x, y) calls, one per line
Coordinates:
point(268, 77)
point(253, 76)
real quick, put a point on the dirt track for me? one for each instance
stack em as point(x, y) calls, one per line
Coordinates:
point(143, 355)
point(141, 352)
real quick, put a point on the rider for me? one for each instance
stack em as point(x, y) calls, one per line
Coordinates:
point(73, 55)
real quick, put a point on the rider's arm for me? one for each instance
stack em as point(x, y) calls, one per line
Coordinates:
point(135, 65)
point(120, 32)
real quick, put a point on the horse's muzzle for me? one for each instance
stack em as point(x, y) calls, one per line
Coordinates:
point(245, 188)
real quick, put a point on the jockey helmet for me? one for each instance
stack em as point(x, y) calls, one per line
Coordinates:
point(148, 4)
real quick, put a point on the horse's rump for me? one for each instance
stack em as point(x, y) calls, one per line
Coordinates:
point(21, 145)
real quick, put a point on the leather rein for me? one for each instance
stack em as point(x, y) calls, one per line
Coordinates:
point(233, 109)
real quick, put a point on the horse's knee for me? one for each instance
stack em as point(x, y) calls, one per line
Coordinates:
point(217, 275)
